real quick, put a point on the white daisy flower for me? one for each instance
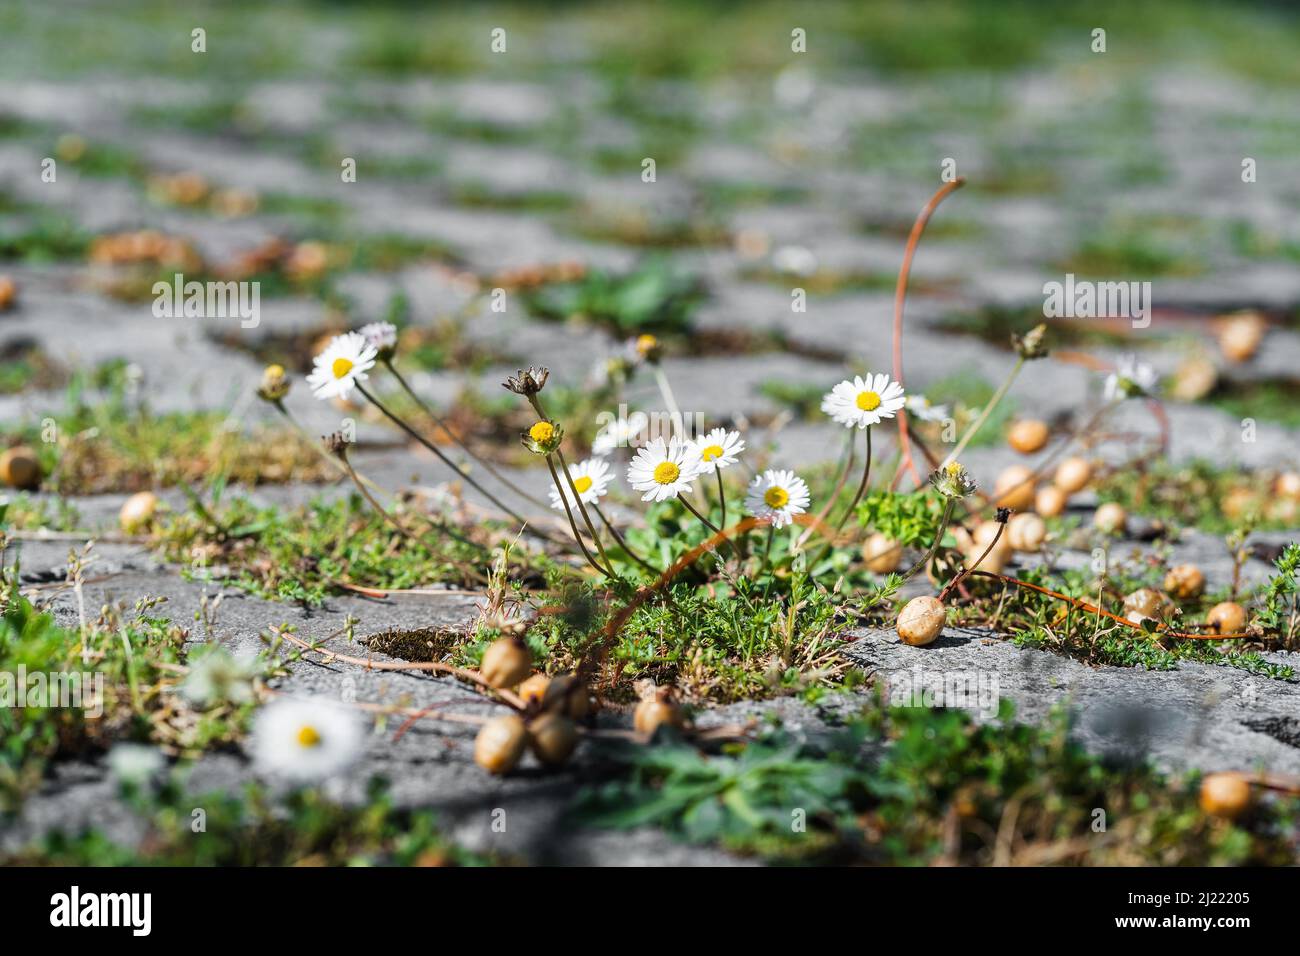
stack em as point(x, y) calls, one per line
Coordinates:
point(662, 469)
point(216, 677)
point(382, 335)
point(135, 764)
point(622, 432)
point(919, 407)
point(590, 477)
point(344, 362)
point(776, 496)
point(1131, 379)
point(305, 740)
point(863, 401)
point(718, 449)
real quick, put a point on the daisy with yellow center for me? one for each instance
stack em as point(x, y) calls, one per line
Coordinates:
point(663, 470)
point(863, 402)
point(305, 740)
point(776, 496)
point(343, 363)
point(591, 478)
point(718, 449)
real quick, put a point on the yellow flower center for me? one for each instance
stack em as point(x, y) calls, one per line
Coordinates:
point(776, 497)
point(666, 473)
point(954, 469)
point(341, 367)
point(276, 371)
point(308, 736)
point(542, 432)
point(582, 483)
point(712, 452)
point(868, 401)
point(645, 343)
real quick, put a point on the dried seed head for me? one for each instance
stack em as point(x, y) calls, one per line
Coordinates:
point(1031, 345)
point(529, 381)
point(336, 445)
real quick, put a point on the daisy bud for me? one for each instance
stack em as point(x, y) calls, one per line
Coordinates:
point(1031, 345)
point(543, 437)
point(646, 348)
point(275, 384)
point(382, 336)
point(953, 481)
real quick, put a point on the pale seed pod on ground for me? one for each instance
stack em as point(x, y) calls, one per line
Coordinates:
point(993, 562)
point(500, 744)
point(506, 662)
point(1241, 334)
point(1028, 435)
point(20, 468)
point(657, 709)
point(1228, 617)
point(1014, 488)
point(921, 621)
point(534, 689)
point(1225, 795)
point(552, 738)
point(1194, 379)
point(882, 554)
point(986, 532)
point(1287, 485)
point(1050, 501)
point(1185, 581)
point(1238, 502)
point(8, 291)
point(137, 511)
point(1148, 602)
point(1110, 518)
point(1026, 532)
point(567, 693)
point(1073, 475)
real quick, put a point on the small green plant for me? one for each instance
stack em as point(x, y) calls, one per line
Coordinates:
point(1280, 608)
point(653, 298)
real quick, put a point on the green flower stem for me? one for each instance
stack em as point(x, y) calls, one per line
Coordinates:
point(722, 495)
point(445, 460)
point(988, 410)
point(948, 505)
point(424, 407)
point(623, 543)
point(862, 486)
point(564, 466)
point(573, 524)
point(666, 390)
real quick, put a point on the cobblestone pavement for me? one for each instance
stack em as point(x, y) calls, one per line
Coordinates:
point(804, 172)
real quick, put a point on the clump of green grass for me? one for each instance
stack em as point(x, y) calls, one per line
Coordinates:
point(24, 365)
point(653, 298)
point(306, 554)
point(913, 785)
point(1268, 399)
point(108, 441)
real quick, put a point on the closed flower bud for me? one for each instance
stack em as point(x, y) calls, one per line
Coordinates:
point(543, 437)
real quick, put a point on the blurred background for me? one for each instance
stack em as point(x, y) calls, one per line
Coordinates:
point(774, 170)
